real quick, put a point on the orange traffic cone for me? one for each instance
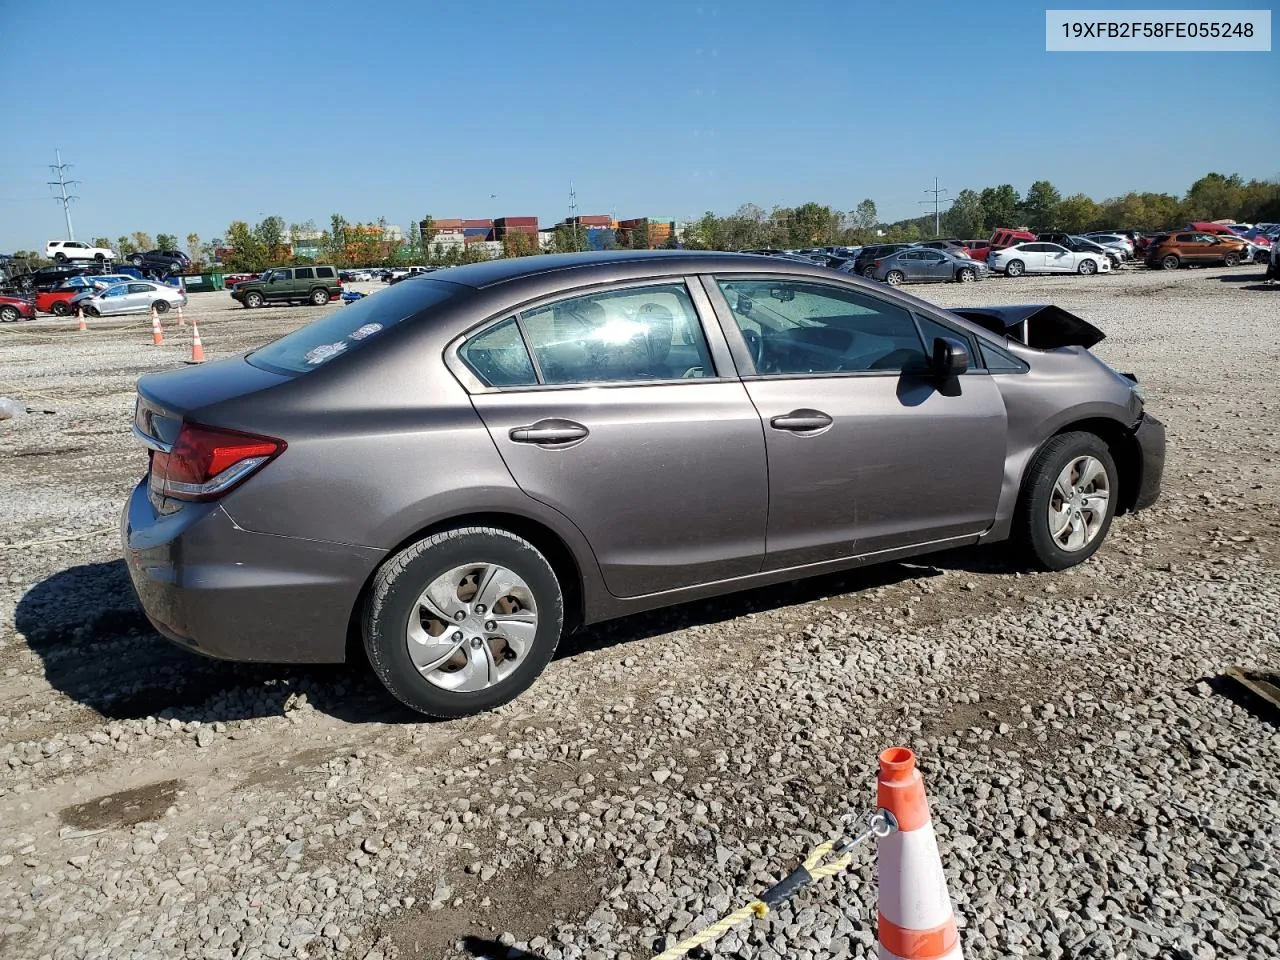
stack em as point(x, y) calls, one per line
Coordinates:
point(916, 920)
point(157, 332)
point(182, 321)
point(80, 317)
point(197, 348)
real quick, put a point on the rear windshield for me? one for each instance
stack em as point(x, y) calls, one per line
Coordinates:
point(347, 328)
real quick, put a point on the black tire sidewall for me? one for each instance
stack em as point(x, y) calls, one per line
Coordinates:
point(1032, 524)
point(161, 306)
point(60, 309)
point(402, 579)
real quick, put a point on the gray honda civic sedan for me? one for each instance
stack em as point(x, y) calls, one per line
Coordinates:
point(460, 468)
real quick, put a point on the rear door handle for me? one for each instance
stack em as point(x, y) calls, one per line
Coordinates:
point(801, 421)
point(550, 432)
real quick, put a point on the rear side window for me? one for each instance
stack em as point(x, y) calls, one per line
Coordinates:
point(997, 361)
point(324, 273)
point(304, 273)
point(619, 336)
point(346, 330)
point(499, 357)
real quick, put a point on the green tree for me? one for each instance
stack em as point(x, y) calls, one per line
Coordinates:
point(999, 207)
point(141, 241)
point(966, 218)
point(568, 239)
point(246, 252)
point(125, 246)
point(1040, 206)
point(272, 239)
point(166, 241)
point(194, 251)
point(1078, 213)
point(1214, 197)
point(336, 248)
point(102, 242)
point(811, 224)
point(864, 217)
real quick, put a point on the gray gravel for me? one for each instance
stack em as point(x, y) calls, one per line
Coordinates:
point(1094, 792)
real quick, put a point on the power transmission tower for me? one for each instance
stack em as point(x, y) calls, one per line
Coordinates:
point(937, 202)
point(60, 171)
point(573, 213)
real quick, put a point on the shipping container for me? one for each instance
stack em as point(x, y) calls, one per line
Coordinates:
point(594, 220)
point(473, 224)
point(448, 224)
point(516, 222)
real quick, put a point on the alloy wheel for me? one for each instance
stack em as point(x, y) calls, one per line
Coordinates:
point(472, 627)
point(1078, 503)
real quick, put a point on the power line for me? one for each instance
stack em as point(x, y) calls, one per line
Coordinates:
point(937, 202)
point(60, 170)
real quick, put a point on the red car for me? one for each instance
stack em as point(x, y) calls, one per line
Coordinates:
point(231, 279)
point(15, 308)
point(1008, 236)
point(978, 249)
point(57, 301)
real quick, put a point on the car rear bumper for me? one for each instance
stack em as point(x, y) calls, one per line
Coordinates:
point(1151, 443)
point(225, 592)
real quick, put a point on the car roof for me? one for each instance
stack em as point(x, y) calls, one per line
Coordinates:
point(608, 264)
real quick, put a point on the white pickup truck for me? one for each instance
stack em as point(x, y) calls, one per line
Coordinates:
point(64, 250)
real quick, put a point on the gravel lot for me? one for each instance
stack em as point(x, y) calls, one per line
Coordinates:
point(1095, 792)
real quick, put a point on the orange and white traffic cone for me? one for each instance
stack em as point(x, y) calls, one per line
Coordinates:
point(197, 348)
point(80, 317)
point(157, 332)
point(916, 919)
point(182, 321)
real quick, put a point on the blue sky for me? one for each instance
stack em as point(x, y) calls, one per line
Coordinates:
point(208, 114)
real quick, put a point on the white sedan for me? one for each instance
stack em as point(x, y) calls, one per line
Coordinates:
point(136, 296)
point(1045, 258)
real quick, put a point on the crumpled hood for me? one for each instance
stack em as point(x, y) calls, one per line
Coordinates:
point(1043, 326)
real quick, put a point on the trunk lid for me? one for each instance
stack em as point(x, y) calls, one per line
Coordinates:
point(166, 399)
point(1042, 326)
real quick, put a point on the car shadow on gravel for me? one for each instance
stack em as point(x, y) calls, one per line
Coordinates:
point(1247, 278)
point(98, 648)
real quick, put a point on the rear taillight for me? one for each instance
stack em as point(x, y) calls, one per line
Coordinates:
point(877, 264)
point(206, 462)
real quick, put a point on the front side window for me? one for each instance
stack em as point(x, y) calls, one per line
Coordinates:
point(117, 291)
point(794, 327)
point(640, 333)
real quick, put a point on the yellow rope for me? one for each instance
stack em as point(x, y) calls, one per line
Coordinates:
point(756, 908)
point(753, 909)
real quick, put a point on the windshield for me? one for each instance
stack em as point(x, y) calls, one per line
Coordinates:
point(347, 328)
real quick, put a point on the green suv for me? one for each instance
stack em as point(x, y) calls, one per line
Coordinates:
point(316, 285)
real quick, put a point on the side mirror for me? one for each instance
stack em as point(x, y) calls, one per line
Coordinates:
point(950, 358)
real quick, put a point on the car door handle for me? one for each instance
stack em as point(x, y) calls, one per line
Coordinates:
point(550, 432)
point(800, 421)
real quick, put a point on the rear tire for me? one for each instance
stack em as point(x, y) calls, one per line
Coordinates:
point(319, 297)
point(99, 258)
point(1042, 494)
point(395, 603)
point(1014, 268)
point(136, 260)
point(1087, 268)
point(869, 272)
point(1170, 263)
point(253, 300)
point(59, 257)
point(60, 309)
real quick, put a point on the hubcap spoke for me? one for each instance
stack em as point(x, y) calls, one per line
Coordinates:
point(1078, 503)
point(1059, 520)
point(1090, 469)
point(472, 627)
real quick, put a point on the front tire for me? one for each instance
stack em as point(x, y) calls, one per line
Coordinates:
point(253, 300)
point(136, 260)
point(965, 275)
point(463, 621)
point(895, 278)
point(1230, 260)
point(1087, 268)
point(161, 306)
point(59, 257)
point(99, 258)
point(1067, 502)
point(9, 314)
point(1014, 268)
point(1170, 263)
